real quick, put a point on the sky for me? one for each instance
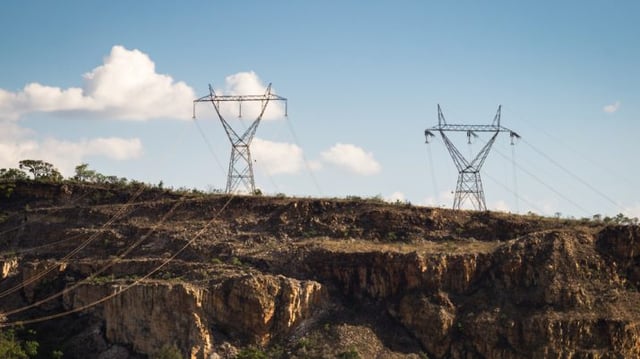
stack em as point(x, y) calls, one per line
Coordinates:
point(111, 84)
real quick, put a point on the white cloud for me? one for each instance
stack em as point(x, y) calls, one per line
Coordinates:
point(500, 206)
point(17, 144)
point(612, 107)
point(111, 147)
point(352, 158)
point(314, 165)
point(632, 211)
point(126, 86)
point(396, 197)
point(444, 199)
point(248, 83)
point(277, 157)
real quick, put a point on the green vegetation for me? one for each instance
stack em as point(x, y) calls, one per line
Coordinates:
point(102, 279)
point(41, 170)
point(374, 199)
point(3, 216)
point(167, 352)
point(352, 353)
point(13, 347)
point(12, 174)
point(6, 189)
point(84, 174)
point(251, 352)
point(304, 343)
point(392, 236)
point(168, 276)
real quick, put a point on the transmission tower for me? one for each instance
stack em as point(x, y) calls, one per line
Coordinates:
point(240, 165)
point(469, 186)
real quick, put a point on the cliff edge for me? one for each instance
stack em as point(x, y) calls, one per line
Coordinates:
point(106, 271)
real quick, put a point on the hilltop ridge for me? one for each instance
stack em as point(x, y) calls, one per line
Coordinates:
point(144, 271)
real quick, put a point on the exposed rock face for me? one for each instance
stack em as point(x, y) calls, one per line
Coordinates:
point(8, 266)
point(261, 307)
point(385, 274)
point(623, 245)
point(431, 320)
point(151, 315)
point(319, 278)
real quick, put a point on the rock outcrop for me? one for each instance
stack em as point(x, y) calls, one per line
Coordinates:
point(314, 278)
point(254, 308)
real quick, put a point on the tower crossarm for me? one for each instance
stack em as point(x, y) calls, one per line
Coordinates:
point(212, 96)
point(243, 98)
point(473, 128)
point(215, 100)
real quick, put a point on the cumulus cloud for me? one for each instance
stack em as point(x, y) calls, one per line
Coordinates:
point(17, 143)
point(500, 206)
point(248, 83)
point(632, 211)
point(443, 199)
point(352, 158)
point(277, 157)
point(125, 86)
point(111, 147)
point(612, 107)
point(396, 197)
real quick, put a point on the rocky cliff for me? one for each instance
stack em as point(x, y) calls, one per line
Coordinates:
point(134, 272)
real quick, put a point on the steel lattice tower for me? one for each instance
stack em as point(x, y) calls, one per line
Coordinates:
point(240, 165)
point(469, 185)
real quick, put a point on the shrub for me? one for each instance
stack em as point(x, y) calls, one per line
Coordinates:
point(11, 347)
point(252, 353)
point(168, 352)
point(352, 353)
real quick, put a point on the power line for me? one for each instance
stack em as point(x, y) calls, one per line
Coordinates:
point(24, 224)
point(121, 212)
point(127, 287)
point(606, 169)
point(515, 177)
point(75, 251)
point(548, 186)
point(432, 170)
point(574, 176)
point(515, 193)
point(209, 145)
point(101, 270)
point(304, 157)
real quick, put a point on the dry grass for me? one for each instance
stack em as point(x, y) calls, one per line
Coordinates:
point(424, 247)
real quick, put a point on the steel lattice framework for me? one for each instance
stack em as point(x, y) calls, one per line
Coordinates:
point(469, 186)
point(240, 165)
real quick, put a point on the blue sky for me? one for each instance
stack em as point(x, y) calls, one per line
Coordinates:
point(363, 79)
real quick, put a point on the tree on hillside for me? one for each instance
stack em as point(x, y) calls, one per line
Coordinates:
point(12, 174)
point(41, 170)
point(84, 174)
